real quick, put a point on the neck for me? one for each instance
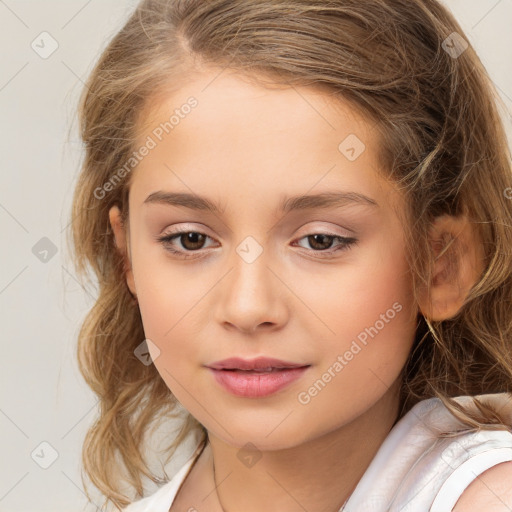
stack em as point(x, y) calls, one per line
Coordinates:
point(318, 475)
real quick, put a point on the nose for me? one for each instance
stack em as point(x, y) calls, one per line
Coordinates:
point(252, 296)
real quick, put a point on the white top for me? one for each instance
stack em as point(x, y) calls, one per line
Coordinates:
point(414, 469)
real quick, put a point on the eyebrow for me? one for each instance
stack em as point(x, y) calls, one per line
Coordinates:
point(288, 204)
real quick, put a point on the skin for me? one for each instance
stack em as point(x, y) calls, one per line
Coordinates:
point(246, 147)
point(491, 491)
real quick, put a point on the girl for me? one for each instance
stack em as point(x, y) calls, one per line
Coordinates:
point(299, 213)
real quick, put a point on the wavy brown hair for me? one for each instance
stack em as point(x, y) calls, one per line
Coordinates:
point(442, 143)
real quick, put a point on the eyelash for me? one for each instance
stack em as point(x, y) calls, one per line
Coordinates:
point(346, 243)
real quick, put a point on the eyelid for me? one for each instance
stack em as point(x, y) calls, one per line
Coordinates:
point(185, 226)
point(181, 229)
point(327, 230)
point(190, 227)
point(344, 243)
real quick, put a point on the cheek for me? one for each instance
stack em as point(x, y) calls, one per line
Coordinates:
point(370, 314)
point(167, 302)
point(367, 318)
point(368, 292)
point(166, 312)
point(167, 291)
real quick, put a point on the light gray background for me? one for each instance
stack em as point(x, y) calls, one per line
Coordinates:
point(43, 397)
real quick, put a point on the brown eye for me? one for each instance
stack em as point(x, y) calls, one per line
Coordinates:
point(192, 241)
point(320, 241)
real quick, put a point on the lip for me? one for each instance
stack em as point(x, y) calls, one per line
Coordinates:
point(234, 375)
point(258, 363)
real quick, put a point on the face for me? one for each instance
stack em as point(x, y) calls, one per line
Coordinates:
point(322, 284)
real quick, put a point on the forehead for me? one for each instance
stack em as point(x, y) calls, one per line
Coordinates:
point(227, 99)
point(258, 140)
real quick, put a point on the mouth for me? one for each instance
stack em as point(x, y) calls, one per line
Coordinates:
point(257, 365)
point(261, 370)
point(262, 380)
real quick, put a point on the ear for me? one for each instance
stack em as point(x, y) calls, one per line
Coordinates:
point(459, 262)
point(122, 243)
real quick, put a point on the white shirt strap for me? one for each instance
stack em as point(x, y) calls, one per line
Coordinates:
point(456, 483)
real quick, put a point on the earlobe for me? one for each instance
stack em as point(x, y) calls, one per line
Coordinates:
point(120, 239)
point(459, 262)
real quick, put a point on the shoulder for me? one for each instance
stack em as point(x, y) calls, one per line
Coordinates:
point(491, 491)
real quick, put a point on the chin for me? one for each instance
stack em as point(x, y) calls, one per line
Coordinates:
point(262, 438)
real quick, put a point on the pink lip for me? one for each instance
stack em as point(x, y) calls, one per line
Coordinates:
point(230, 374)
point(237, 363)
